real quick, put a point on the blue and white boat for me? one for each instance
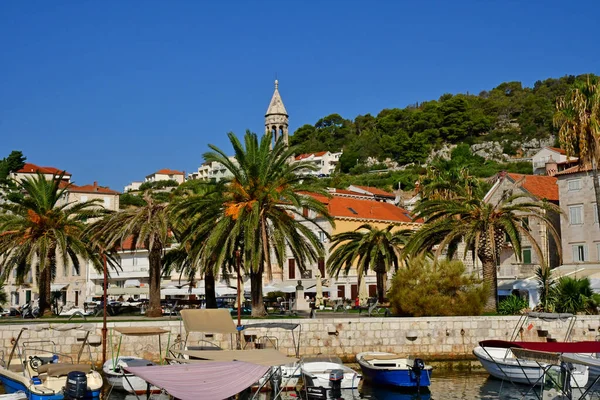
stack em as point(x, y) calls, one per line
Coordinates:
point(390, 369)
point(38, 374)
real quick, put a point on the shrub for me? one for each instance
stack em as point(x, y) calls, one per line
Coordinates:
point(512, 305)
point(573, 295)
point(443, 289)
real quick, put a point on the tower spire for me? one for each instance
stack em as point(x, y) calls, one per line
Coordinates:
point(276, 118)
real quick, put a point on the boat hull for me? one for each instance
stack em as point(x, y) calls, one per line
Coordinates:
point(399, 376)
point(317, 374)
point(15, 385)
point(125, 381)
point(501, 364)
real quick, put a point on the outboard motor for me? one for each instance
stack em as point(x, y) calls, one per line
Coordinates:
point(76, 386)
point(335, 382)
point(417, 369)
point(276, 379)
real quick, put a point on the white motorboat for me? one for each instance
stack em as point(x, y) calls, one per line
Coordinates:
point(114, 368)
point(121, 380)
point(499, 361)
point(324, 371)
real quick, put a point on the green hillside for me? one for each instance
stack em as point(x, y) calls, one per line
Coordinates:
point(509, 113)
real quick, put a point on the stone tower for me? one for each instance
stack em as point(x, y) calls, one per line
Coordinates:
point(276, 118)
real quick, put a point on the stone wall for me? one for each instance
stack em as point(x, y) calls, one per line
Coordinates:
point(434, 338)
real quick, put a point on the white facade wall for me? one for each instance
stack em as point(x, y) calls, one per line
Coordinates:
point(540, 159)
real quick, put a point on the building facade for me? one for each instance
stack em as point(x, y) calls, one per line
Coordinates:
point(324, 162)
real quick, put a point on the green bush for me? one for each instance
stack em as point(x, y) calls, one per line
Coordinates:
point(512, 305)
point(158, 185)
point(573, 295)
point(443, 289)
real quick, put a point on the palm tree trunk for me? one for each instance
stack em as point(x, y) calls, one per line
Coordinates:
point(210, 293)
point(44, 282)
point(155, 256)
point(490, 278)
point(258, 304)
point(381, 275)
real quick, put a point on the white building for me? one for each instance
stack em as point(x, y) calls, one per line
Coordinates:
point(550, 160)
point(166, 175)
point(31, 171)
point(132, 187)
point(325, 162)
point(212, 170)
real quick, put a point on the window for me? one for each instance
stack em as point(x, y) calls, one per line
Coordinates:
point(341, 291)
point(595, 213)
point(598, 251)
point(525, 223)
point(580, 253)
point(305, 212)
point(574, 184)
point(291, 268)
point(322, 236)
point(576, 215)
point(107, 203)
point(526, 255)
point(74, 271)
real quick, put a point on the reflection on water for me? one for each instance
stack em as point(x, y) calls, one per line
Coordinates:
point(445, 385)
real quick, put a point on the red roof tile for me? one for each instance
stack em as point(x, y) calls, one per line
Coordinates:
point(94, 188)
point(29, 168)
point(346, 207)
point(307, 155)
point(556, 149)
point(541, 186)
point(166, 171)
point(574, 170)
point(376, 191)
point(350, 193)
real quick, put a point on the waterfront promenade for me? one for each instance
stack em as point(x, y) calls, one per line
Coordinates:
point(342, 335)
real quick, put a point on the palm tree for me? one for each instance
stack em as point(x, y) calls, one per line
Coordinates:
point(577, 118)
point(574, 295)
point(443, 180)
point(367, 247)
point(41, 227)
point(483, 227)
point(148, 227)
point(3, 295)
point(260, 210)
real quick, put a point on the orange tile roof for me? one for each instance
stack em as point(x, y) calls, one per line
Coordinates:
point(376, 191)
point(556, 149)
point(345, 207)
point(94, 188)
point(350, 193)
point(574, 170)
point(166, 171)
point(307, 155)
point(29, 168)
point(541, 186)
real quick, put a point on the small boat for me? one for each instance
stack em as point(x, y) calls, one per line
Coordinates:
point(390, 369)
point(498, 359)
point(38, 374)
point(325, 372)
point(114, 368)
point(120, 380)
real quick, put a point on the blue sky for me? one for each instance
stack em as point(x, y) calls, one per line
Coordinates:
point(112, 91)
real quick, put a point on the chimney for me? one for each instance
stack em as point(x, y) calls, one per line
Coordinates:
point(551, 167)
point(95, 186)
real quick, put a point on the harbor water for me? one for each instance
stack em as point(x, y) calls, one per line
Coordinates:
point(445, 385)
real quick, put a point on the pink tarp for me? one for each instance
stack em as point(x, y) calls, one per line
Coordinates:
point(211, 380)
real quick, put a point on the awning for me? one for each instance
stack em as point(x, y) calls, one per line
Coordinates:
point(208, 321)
point(140, 330)
point(132, 283)
point(57, 287)
point(266, 357)
point(219, 380)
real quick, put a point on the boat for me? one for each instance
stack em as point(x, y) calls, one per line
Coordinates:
point(14, 396)
point(114, 368)
point(499, 360)
point(38, 370)
point(328, 372)
point(388, 369)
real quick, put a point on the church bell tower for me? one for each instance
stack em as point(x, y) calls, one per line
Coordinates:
point(276, 118)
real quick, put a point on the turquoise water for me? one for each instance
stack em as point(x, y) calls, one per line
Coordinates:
point(446, 385)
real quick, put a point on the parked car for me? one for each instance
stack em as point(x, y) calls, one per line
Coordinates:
point(4, 312)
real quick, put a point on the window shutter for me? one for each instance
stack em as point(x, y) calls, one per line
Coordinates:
point(292, 268)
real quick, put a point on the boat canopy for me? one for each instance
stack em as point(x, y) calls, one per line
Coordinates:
point(141, 330)
point(266, 357)
point(549, 316)
point(273, 325)
point(550, 347)
point(219, 380)
point(208, 321)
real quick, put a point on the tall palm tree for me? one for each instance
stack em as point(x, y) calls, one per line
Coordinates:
point(367, 248)
point(444, 181)
point(40, 227)
point(260, 211)
point(148, 227)
point(577, 118)
point(483, 227)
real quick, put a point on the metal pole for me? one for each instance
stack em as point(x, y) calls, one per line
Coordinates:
point(104, 329)
point(239, 302)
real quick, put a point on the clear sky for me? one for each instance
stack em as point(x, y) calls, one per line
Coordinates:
point(113, 90)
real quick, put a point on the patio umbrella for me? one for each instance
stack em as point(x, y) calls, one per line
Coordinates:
point(319, 290)
point(363, 295)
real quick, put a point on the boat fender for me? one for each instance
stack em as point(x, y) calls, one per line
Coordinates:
point(35, 380)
